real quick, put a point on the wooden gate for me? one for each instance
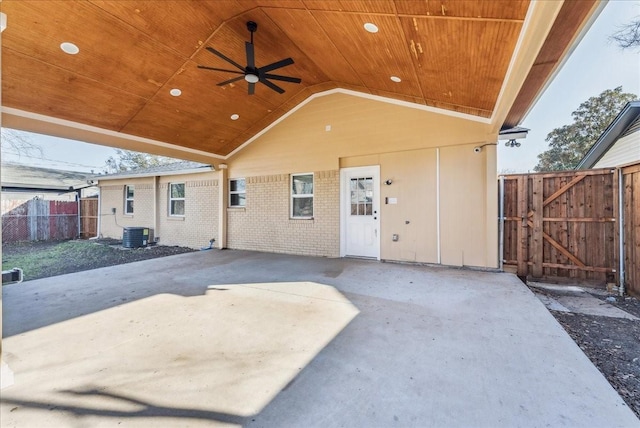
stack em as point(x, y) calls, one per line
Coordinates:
point(562, 225)
point(88, 218)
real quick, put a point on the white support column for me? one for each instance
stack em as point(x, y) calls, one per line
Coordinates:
point(222, 205)
point(6, 375)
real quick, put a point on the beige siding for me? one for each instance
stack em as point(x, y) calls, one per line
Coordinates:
point(414, 186)
point(265, 223)
point(625, 151)
point(358, 127)
point(340, 131)
point(200, 222)
point(464, 223)
point(112, 196)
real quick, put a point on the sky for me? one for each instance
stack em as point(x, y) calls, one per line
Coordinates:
point(596, 65)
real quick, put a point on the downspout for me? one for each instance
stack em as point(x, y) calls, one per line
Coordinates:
point(79, 216)
point(98, 232)
point(501, 229)
point(621, 230)
point(155, 206)
point(438, 204)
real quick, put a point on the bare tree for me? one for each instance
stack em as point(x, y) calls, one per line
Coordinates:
point(17, 143)
point(127, 160)
point(628, 35)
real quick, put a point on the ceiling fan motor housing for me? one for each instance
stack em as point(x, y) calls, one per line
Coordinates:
point(252, 74)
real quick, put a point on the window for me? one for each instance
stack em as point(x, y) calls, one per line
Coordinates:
point(176, 199)
point(361, 196)
point(128, 199)
point(237, 193)
point(302, 196)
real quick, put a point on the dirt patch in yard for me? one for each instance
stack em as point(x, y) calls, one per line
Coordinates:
point(42, 259)
point(612, 344)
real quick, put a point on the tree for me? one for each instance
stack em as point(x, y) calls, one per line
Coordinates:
point(628, 36)
point(569, 143)
point(15, 142)
point(127, 160)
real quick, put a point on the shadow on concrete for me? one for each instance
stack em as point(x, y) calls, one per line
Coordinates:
point(146, 410)
point(43, 302)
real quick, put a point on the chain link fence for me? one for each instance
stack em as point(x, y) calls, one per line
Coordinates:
point(39, 220)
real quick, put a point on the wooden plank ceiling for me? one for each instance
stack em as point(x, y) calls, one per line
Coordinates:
point(450, 54)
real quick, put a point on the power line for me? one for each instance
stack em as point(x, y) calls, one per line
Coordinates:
point(21, 155)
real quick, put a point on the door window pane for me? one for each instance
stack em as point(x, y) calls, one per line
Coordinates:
point(361, 196)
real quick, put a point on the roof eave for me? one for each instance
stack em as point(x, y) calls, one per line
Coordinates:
point(153, 174)
point(617, 127)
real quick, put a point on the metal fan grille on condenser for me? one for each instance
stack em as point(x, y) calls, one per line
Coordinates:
point(251, 73)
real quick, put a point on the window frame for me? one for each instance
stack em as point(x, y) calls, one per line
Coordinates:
point(237, 192)
point(171, 199)
point(293, 196)
point(127, 198)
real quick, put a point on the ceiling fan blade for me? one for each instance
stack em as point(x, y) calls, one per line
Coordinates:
point(226, 82)
point(277, 64)
point(283, 78)
point(220, 69)
point(273, 86)
point(221, 55)
point(251, 59)
point(252, 88)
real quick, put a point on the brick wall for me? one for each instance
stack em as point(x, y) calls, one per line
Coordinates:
point(265, 223)
point(200, 222)
point(194, 229)
point(112, 196)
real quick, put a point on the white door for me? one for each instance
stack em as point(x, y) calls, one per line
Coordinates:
point(360, 207)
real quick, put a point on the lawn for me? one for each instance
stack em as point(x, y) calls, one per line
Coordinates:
point(42, 259)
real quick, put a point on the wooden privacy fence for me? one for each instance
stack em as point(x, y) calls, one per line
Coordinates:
point(565, 225)
point(88, 217)
point(631, 231)
point(39, 220)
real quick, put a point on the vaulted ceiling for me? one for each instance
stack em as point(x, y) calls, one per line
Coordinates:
point(449, 54)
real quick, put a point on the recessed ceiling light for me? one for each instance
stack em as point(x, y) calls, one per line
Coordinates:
point(175, 92)
point(372, 28)
point(70, 48)
point(235, 116)
point(396, 79)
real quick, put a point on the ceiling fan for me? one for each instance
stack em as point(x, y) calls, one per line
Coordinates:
point(251, 73)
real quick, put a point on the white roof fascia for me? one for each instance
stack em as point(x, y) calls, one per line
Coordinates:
point(152, 174)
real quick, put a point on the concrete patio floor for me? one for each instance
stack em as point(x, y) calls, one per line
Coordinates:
point(237, 338)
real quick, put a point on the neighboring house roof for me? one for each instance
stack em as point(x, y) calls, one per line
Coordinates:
point(175, 168)
point(628, 116)
point(24, 178)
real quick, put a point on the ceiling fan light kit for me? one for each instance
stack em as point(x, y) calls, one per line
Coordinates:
point(250, 73)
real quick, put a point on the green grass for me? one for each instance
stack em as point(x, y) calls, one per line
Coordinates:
point(42, 259)
point(55, 259)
